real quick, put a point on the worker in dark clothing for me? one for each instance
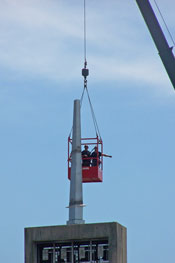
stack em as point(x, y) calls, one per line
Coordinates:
point(96, 156)
point(86, 156)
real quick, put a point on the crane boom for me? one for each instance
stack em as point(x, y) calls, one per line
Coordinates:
point(159, 39)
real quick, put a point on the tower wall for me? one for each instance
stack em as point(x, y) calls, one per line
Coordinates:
point(114, 233)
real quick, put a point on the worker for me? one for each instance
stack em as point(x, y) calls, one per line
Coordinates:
point(94, 155)
point(86, 156)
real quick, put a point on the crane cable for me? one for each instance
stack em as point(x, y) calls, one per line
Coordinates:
point(85, 73)
point(166, 26)
point(85, 31)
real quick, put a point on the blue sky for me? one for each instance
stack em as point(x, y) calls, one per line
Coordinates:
point(41, 56)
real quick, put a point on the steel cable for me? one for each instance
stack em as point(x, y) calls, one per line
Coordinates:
point(170, 35)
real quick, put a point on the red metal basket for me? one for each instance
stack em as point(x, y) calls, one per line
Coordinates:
point(90, 173)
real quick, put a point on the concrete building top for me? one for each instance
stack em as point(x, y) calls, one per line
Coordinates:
point(113, 232)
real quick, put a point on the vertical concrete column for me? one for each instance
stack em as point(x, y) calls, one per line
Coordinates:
point(76, 191)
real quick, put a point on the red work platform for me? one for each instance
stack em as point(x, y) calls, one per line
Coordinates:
point(91, 173)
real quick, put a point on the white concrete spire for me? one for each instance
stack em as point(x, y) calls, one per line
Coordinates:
point(76, 191)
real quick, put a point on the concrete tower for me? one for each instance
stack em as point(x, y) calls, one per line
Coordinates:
point(76, 193)
point(76, 241)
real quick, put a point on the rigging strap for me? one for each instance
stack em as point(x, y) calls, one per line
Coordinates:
point(91, 107)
